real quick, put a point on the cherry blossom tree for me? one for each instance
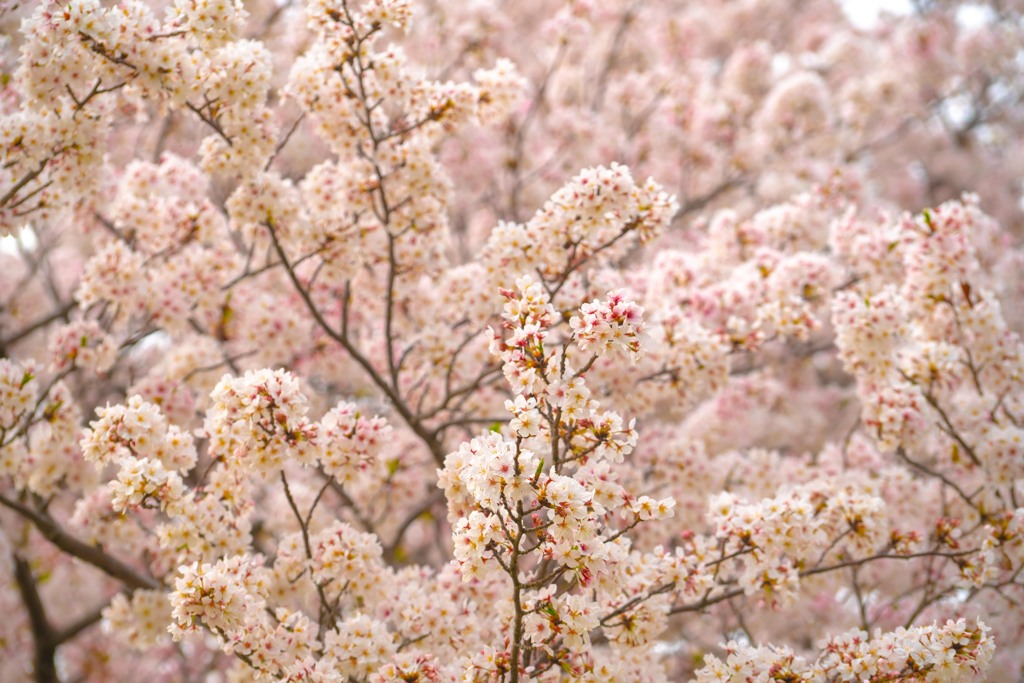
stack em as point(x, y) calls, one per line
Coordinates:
point(555, 340)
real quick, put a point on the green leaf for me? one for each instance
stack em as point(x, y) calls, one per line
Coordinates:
point(929, 220)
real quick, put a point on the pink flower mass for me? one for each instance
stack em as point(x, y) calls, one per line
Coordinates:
point(412, 341)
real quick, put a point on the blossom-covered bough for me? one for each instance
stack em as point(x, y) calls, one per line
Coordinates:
point(345, 341)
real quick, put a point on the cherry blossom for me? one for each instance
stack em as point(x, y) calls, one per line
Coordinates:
point(367, 341)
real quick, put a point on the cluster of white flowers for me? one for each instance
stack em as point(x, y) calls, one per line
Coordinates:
point(336, 203)
point(140, 480)
point(224, 596)
point(501, 89)
point(798, 107)
point(777, 535)
point(952, 652)
point(266, 198)
point(18, 388)
point(796, 291)
point(328, 250)
point(938, 254)
point(524, 357)
point(83, 344)
point(214, 520)
point(585, 219)
point(359, 645)
point(160, 206)
point(685, 358)
point(137, 430)
point(397, 13)
point(259, 420)
point(141, 619)
point(592, 208)
point(793, 226)
point(115, 275)
point(476, 537)
point(191, 60)
point(938, 365)
point(996, 349)
point(347, 560)
point(1001, 452)
point(409, 666)
point(212, 23)
point(39, 450)
point(350, 442)
point(1001, 551)
point(494, 472)
point(571, 617)
point(615, 324)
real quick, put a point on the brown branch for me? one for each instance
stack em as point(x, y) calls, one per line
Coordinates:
point(391, 549)
point(34, 326)
point(342, 338)
point(210, 121)
point(614, 52)
point(327, 610)
point(42, 632)
point(90, 554)
point(284, 141)
point(937, 475)
point(950, 430)
point(28, 178)
point(74, 628)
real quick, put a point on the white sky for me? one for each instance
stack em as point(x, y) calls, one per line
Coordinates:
point(864, 13)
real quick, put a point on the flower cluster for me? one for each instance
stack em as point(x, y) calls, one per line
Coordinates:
point(951, 652)
point(142, 480)
point(115, 275)
point(82, 344)
point(259, 420)
point(18, 391)
point(348, 560)
point(778, 536)
point(586, 219)
point(215, 520)
point(139, 430)
point(615, 324)
point(869, 329)
point(225, 596)
point(140, 619)
point(350, 441)
point(393, 368)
